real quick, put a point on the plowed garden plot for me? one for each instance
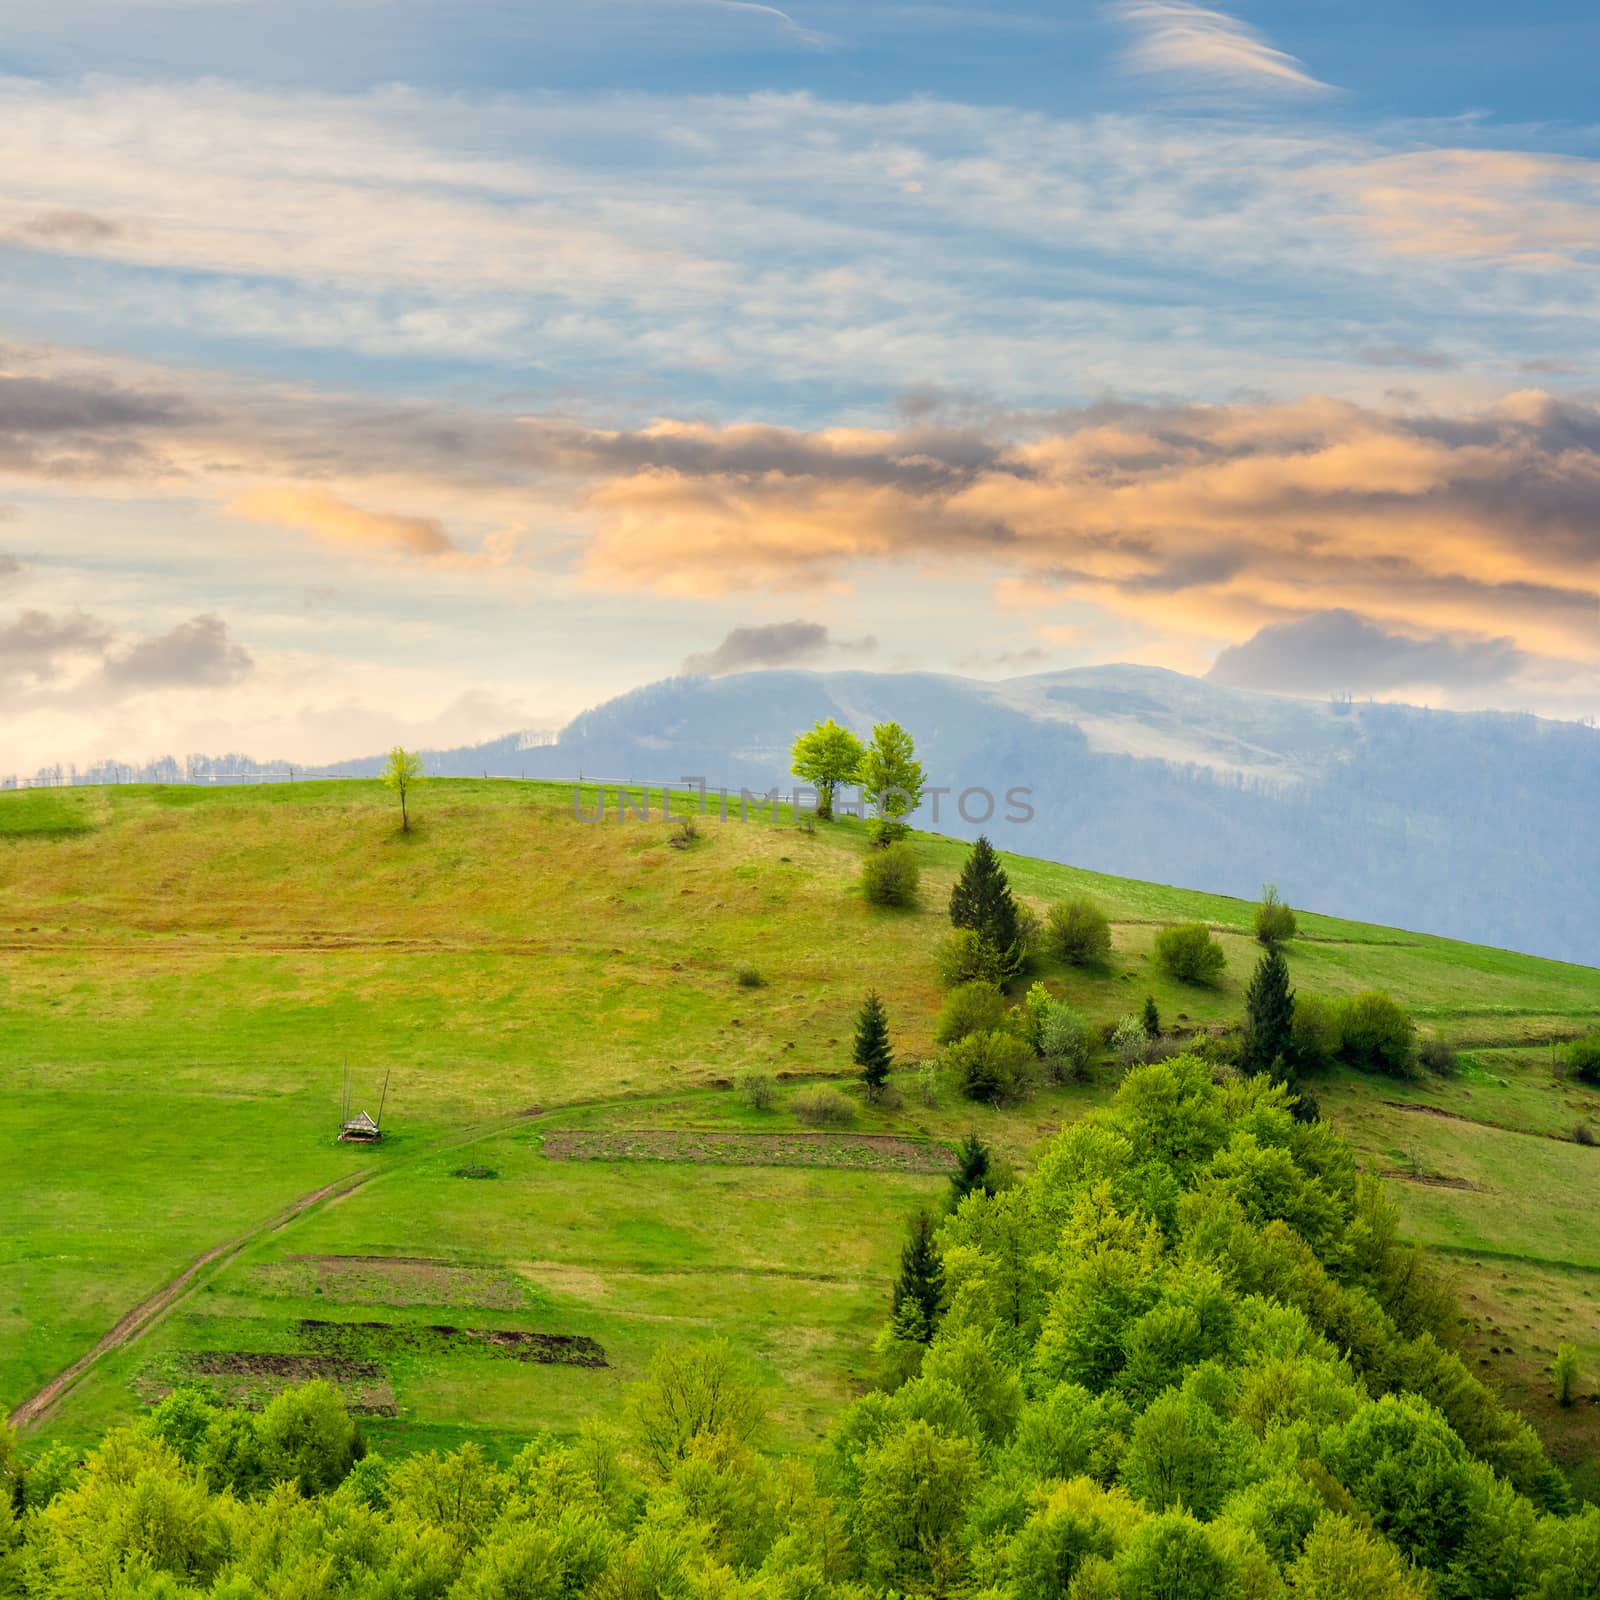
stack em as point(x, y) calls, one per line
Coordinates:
point(398, 1338)
point(391, 1281)
point(867, 1152)
point(249, 1378)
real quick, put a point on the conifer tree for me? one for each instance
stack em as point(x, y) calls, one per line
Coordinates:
point(1269, 1014)
point(919, 1290)
point(973, 1169)
point(1152, 1017)
point(872, 1054)
point(981, 901)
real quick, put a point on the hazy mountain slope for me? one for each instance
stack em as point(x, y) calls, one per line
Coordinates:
point(1480, 826)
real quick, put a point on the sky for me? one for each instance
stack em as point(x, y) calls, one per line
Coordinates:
point(380, 371)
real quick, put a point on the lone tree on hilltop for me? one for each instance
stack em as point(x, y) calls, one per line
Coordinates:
point(1275, 922)
point(919, 1290)
point(1269, 1013)
point(402, 771)
point(826, 757)
point(891, 779)
point(872, 1053)
point(981, 901)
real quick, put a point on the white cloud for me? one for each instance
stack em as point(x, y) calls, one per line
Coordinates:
point(1209, 47)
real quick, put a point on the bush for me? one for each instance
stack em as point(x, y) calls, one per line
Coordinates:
point(1078, 932)
point(750, 978)
point(996, 1067)
point(1275, 922)
point(1375, 1035)
point(1583, 1134)
point(1583, 1059)
point(1130, 1044)
point(975, 1007)
point(1314, 1034)
point(928, 1083)
point(1030, 933)
point(967, 957)
point(1190, 954)
point(1438, 1058)
point(758, 1090)
point(823, 1107)
point(1565, 1372)
point(890, 877)
point(1065, 1043)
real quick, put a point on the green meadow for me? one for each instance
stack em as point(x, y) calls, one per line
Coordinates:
point(186, 974)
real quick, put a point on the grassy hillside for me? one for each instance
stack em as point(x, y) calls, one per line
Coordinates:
point(183, 974)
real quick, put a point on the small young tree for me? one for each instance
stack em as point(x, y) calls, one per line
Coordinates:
point(1565, 1372)
point(891, 780)
point(918, 1301)
point(972, 1170)
point(1151, 1017)
point(1275, 922)
point(1078, 932)
point(700, 1391)
point(1065, 1042)
point(981, 901)
point(1269, 1016)
point(826, 757)
point(402, 772)
point(872, 1054)
point(1190, 954)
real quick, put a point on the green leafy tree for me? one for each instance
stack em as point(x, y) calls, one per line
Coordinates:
point(402, 772)
point(972, 1168)
point(891, 780)
point(965, 956)
point(1078, 932)
point(1275, 922)
point(872, 1053)
point(981, 902)
point(693, 1393)
point(918, 1301)
point(916, 1482)
point(1269, 1016)
point(1065, 1042)
point(996, 1067)
point(1565, 1372)
point(827, 757)
point(1190, 954)
point(308, 1438)
point(891, 877)
point(1342, 1560)
point(1313, 1033)
point(1173, 1557)
point(976, 1007)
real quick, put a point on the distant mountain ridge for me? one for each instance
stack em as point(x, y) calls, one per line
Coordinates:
point(1477, 825)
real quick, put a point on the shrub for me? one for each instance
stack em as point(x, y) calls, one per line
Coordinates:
point(1583, 1059)
point(1438, 1058)
point(1314, 1034)
point(928, 1083)
point(1190, 954)
point(823, 1107)
point(1375, 1035)
point(1275, 922)
point(890, 877)
point(975, 1007)
point(1583, 1134)
point(684, 834)
point(1130, 1043)
point(967, 957)
point(750, 978)
point(1030, 934)
point(1065, 1042)
point(1078, 932)
point(996, 1067)
point(758, 1090)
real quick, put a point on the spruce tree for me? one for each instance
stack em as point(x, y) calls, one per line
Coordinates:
point(1269, 1015)
point(1152, 1017)
point(919, 1290)
point(872, 1053)
point(973, 1169)
point(981, 901)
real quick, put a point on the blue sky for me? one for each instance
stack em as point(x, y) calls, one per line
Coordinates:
point(402, 370)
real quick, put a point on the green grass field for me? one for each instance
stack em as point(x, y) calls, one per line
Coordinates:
point(184, 974)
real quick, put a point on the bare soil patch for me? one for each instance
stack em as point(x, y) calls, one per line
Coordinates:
point(252, 1378)
point(359, 1339)
point(865, 1152)
point(391, 1281)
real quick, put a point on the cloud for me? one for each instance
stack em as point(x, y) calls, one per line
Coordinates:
point(1023, 660)
point(66, 230)
point(1402, 355)
point(197, 654)
point(782, 18)
point(37, 648)
point(325, 516)
point(1545, 366)
point(1208, 47)
point(773, 644)
point(1335, 651)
